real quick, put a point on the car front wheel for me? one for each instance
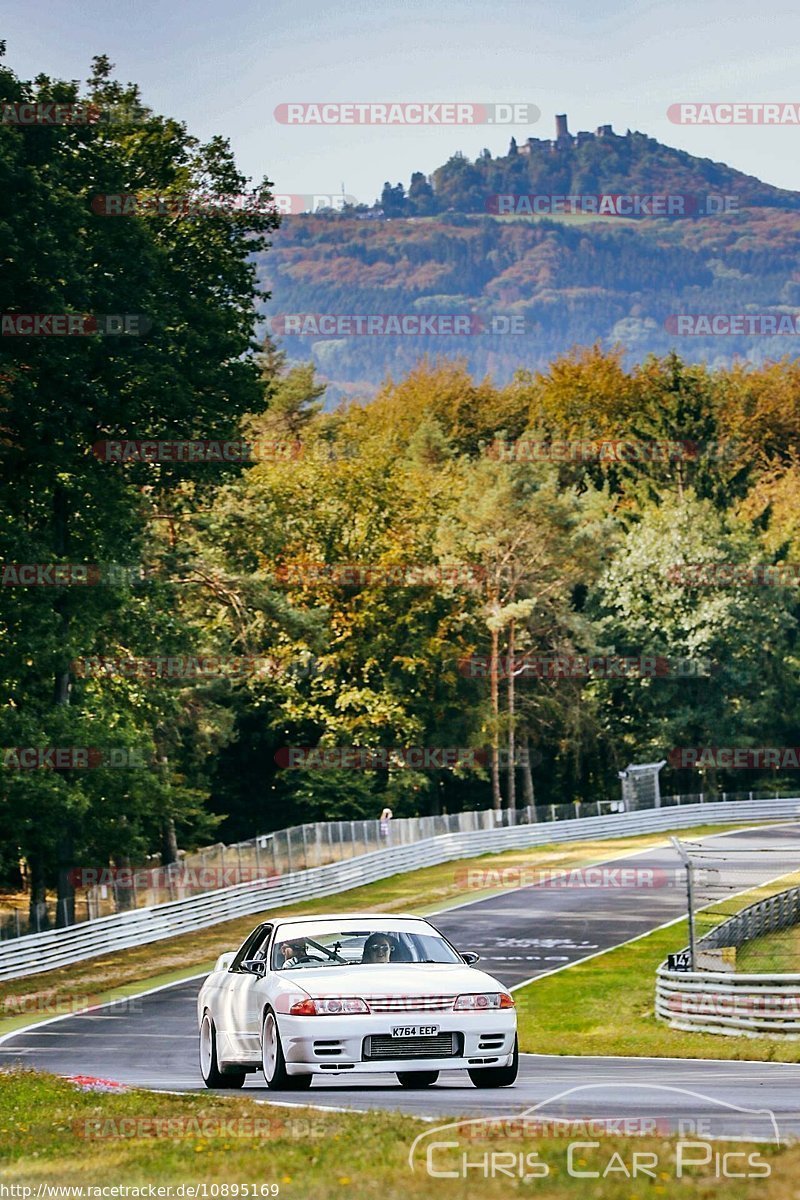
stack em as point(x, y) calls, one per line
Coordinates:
point(213, 1077)
point(494, 1077)
point(273, 1062)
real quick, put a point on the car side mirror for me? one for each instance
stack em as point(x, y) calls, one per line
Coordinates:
point(470, 957)
point(254, 966)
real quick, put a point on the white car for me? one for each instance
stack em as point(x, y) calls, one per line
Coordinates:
point(352, 995)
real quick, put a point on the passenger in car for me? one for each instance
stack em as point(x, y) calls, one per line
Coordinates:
point(377, 948)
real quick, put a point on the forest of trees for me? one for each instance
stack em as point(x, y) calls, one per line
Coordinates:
point(368, 556)
point(633, 163)
point(568, 282)
point(440, 246)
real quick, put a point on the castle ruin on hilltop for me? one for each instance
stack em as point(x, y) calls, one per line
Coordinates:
point(564, 139)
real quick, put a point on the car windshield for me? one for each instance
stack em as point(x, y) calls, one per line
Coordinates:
point(327, 946)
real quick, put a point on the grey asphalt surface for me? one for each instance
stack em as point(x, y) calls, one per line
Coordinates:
point(151, 1041)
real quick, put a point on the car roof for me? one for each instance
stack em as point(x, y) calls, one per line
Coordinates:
point(352, 916)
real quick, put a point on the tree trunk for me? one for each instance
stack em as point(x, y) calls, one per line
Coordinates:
point(37, 912)
point(497, 798)
point(65, 905)
point(124, 892)
point(512, 766)
point(169, 843)
point(527, 776)
point(62, 684)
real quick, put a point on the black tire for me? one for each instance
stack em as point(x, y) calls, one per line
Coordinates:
point(273, 1063)
point(417, 1079)
point(213, 1077)
point(494, 1077)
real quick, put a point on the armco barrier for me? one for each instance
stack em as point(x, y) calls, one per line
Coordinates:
point(780, 911)
point(725, 1002)
point(39, 952)
point(717, 1002)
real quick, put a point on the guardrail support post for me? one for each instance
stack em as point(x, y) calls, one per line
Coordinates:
point(687, 862)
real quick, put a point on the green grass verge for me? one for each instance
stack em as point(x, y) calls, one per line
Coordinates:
point(52, 1134)
point(605, 1006)
point(422, 892)
point(775, 953)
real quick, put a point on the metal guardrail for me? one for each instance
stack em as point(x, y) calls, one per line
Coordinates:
point(730, 1003)
point(40, 952)
point(770, 915)
point(105, 890)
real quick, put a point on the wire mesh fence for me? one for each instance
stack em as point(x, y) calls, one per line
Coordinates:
point(102, 890)
point(743, 897)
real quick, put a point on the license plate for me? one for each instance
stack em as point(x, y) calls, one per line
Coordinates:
point(402, 1031)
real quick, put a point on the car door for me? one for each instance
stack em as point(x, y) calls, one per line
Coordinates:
point(247, 1001)
point(228, 1001)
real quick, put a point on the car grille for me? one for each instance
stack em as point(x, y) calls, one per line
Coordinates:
point(390, 1004)
point(442, 1045)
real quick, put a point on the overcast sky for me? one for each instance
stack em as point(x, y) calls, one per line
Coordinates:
point(223, 68)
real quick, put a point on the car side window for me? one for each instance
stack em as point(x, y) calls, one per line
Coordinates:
point(249, 946)
point(261, 948)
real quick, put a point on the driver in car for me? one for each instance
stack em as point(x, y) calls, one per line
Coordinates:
point(294, 953)
point(377, 948)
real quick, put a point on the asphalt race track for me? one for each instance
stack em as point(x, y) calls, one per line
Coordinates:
point(151, 1041)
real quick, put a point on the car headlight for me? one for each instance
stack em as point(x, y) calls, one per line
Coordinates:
point(483, 1001)
point(328, 1006)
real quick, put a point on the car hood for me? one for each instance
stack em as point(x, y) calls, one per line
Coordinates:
point(414, 979)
